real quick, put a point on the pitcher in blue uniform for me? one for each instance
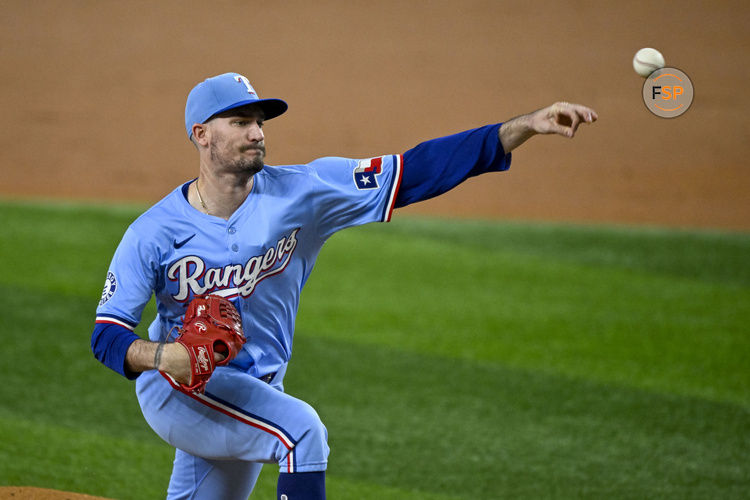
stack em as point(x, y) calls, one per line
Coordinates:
point(251, 232)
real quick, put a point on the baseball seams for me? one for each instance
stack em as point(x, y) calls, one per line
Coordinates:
point(648, 64)
point(647, 60)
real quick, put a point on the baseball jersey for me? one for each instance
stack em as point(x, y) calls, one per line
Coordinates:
point(262, 256)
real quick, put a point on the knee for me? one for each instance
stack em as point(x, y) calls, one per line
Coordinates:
point(311, 450)
point(314, 431)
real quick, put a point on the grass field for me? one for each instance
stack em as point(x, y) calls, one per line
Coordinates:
point(449, 360)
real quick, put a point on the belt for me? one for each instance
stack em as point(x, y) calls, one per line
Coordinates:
point(267, 378)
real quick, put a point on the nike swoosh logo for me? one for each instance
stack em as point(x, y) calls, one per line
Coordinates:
point(179, 244)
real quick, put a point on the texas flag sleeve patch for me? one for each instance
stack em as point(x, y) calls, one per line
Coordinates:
point(366, 173)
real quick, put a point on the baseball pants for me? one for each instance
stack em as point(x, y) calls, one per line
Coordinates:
point(224, 436)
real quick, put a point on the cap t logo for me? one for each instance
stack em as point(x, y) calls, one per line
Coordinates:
point(223, 92)
point(242, 79)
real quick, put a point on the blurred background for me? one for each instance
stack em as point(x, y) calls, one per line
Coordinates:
point(584, 336)
point(93, 96)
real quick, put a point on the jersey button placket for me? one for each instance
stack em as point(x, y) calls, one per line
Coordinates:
point(234, 246)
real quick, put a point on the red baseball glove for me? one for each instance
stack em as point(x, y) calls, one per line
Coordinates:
point(211, 324)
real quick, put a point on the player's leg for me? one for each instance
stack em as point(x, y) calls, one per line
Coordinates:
point(197, 478)
point(239, 417)
point(299, 438)
point(297, 425)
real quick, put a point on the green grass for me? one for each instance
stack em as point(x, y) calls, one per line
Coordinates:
point(449, 360)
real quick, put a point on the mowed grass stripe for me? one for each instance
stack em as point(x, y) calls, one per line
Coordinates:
point(344, 487)
point(435, 426)
point(433, 380)
point(623, 324)
point(46, 455)
point(62, 248)
point(478, 430)
point(709, 255)
point(54, 378)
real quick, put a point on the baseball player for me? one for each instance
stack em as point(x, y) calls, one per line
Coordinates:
point(250, 233)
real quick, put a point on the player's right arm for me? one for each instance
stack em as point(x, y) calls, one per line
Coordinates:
point(131, 279)
point(171, 358)
point(139, 355)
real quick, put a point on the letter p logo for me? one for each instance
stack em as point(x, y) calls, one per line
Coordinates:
point(668, 92)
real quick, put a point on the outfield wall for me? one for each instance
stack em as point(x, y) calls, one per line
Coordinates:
point(93, 95)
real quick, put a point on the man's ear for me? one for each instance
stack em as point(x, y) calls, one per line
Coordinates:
point(200, 132)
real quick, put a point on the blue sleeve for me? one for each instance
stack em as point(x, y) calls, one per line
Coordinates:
point(110, 343)
point(438, 165)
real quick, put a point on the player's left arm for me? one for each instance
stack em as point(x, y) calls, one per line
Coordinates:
point(561, 118)
point(438, 165)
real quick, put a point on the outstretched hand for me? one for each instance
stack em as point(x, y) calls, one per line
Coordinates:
point(561, 118)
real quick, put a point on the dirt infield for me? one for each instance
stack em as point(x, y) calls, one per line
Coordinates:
point(94, 92)
point(26, 493)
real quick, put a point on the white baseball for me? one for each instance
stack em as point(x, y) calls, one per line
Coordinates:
point(647, 60)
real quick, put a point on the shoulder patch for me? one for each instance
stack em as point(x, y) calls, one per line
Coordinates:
point(110, 285)
point(366, 173)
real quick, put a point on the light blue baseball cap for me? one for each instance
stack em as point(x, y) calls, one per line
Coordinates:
point(224, 92)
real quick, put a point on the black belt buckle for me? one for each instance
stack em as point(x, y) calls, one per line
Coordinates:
point(267, 378)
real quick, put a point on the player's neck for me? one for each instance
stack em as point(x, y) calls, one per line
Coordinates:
point(219, 196)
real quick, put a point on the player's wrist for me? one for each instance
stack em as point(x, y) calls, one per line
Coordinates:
point(174, 361)
point(174, 357)
point(516, 131)
point(158, 353)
